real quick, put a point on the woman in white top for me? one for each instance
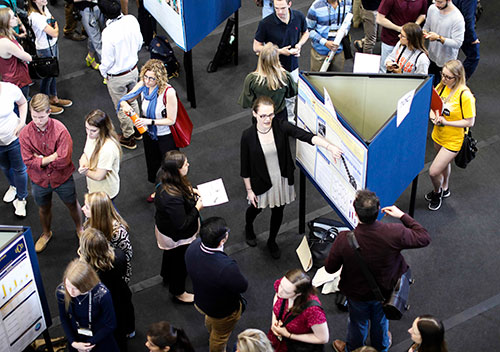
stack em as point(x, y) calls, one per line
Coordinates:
point(409, 55)
point(159, 111)
point(100, 160)
point(46, 32)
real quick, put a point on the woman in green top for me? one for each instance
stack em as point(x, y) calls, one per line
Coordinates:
point(269, 79)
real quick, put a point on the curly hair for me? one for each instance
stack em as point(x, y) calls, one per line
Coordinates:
point(160, 72)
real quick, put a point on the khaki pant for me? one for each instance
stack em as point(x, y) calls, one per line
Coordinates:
point(220, 329)
point(370, 29)
point(118, 86)
point(337, 64)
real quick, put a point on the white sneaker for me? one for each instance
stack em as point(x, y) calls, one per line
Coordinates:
point(10, 195)
point(20, 206)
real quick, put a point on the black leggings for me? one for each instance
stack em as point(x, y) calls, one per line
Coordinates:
point(276, 219)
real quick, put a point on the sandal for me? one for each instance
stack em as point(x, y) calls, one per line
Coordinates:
point(91, 62)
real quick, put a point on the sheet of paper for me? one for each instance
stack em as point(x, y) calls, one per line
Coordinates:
point(329, 104)
point(366, 63)
point(323, 277)
point(404, 105)
point(304, 254)
point(213, 193)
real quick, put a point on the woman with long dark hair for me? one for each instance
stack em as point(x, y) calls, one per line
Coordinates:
point(110, 265)
point(86, 310)
point(298, 318)
point(177, 221)
point(100, 161)
point(269, 79)
point(409, 54)
point(13, 58)
point(450, 126)
point(267, 167)
point(427, 333)
point(163, 337)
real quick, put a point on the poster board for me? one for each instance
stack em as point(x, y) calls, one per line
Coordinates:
point(330, 175)
point(187, 22)
point(24, 313)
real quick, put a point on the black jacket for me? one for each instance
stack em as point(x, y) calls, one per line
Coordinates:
point(253, 162)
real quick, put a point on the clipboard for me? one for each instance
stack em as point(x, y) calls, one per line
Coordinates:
point(436, 102)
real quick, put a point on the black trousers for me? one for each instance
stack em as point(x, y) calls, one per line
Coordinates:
point(155, 151)
point(173, 269)
point(276, 219)
point(147, 23)
point(436, 71)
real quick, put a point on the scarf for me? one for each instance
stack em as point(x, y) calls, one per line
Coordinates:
point(151, 110)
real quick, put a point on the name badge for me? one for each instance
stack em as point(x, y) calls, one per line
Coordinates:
point(85, 332)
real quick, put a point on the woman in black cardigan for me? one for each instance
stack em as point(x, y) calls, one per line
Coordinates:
point(267, 167)
point(177, 222)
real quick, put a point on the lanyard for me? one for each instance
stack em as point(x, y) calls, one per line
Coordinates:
point(90, 310)
point(338, 14)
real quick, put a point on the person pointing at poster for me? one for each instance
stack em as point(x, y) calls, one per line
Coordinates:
point(267, 167)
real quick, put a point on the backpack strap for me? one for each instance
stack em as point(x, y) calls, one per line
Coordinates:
point(416, 60)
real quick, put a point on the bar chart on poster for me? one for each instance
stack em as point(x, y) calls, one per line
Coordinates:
point(338, 179)
point(21, 312)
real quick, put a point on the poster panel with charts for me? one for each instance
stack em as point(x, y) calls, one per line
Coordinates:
point(338, 179)
point(21, 313)
point(169, 14)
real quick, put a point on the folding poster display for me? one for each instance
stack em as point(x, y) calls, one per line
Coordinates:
point(187, 22)
point(379, 122)
point(23, 306)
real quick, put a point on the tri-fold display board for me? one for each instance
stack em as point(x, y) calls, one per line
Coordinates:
point(379, 121)
point(187, 22)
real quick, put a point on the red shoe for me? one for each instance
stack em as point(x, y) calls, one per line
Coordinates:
point(151, 198)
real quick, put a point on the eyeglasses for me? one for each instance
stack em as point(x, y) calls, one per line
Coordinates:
point(447, 77)
point(265, 116)
point(150, 79)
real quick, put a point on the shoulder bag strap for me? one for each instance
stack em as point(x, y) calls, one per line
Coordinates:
point(461, 110)
point(290, 317)
point(364, 267)
point(416, 60)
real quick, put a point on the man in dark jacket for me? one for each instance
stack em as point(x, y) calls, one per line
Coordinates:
point(217, 282)
point(470, 46)
point(381, 245)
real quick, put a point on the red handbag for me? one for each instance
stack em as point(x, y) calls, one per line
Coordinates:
point(182, 129)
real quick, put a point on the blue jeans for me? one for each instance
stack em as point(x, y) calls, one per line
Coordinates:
point(471, 61)
point(12, 165)
point(93, 21)
point(367, 317)
point(48, 85)
point(385, 50)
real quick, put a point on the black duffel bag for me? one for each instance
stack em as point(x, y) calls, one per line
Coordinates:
point(322, 233)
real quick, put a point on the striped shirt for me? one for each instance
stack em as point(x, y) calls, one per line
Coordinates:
point(323, 18)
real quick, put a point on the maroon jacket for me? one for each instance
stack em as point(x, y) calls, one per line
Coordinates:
point(381, 245)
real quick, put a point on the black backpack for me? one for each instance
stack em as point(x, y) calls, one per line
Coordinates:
point(161, 49)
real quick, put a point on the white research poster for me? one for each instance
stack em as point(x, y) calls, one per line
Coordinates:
point(330, 175)
point(169, 15)
point(21, 313)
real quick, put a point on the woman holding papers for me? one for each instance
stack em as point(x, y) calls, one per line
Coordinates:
point(450, 126)
point(267, 167)
point(269, 79)
point(298, 321)
point(177, 221)
point(159, 111)
point(409, 55)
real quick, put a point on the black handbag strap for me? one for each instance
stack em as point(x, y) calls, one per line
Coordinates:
point(290, 317)
point(353, 242)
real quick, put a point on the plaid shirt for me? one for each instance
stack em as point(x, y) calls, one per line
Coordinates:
point(321, 18)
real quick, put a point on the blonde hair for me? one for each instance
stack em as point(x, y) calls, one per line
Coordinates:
point(253, 340)
point(81, 275)
point(5, 30)
point(103, 215)
point(96, 250)
point(160, 72)
point(269, 70)
point(457, 70)
point(40, 102)
point(98, 118)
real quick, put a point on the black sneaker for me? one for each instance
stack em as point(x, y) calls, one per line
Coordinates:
point(274, 250)
point(446, 194)
point(436, 200)
point(137, 135)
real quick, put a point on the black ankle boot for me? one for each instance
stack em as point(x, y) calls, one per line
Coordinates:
point(250, 237)
point(274, 249)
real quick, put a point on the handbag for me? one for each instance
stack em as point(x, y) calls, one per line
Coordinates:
point(182, 129)
point(322, 233)
point(299, 346)
point(44, 67)
point(395, 306)
point(469, 146)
